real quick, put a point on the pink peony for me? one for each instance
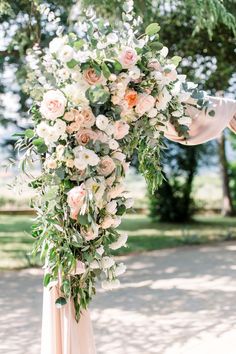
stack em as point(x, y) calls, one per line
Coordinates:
point(121, 129)
point(106, 166)
point(53, 104)
point(128, 57)
point(144, 104)
point(75, 200)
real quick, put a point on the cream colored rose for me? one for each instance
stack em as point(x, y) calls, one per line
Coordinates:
point(53, 104)
point(144, 104)
point(106, 166)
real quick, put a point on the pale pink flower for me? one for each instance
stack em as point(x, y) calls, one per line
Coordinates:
point(154, 64)
point(116, 191)
point(84, 136)
point(107, 222)
point(144, 104)
point(128, 57)
point(53, 104)
point(79, 269)
point(106, 166)
point(75, 200)
point(121, 129)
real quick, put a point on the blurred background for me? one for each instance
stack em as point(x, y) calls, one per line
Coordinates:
point(197, 203)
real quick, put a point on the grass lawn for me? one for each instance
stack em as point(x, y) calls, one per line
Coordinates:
point(145, 235)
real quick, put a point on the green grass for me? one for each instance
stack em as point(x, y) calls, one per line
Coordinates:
point(145, 235)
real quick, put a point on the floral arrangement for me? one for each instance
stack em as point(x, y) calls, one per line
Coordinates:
point(98, 96)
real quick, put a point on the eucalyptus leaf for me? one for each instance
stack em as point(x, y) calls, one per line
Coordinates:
point(152, 29)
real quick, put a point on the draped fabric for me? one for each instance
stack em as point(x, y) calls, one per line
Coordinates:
point(61, 334)
point(205, 127)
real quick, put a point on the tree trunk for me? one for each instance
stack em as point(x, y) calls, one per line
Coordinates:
point(227, 205)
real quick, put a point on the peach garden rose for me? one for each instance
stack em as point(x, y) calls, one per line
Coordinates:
point(53, 104)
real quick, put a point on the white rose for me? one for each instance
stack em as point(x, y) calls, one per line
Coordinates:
point(113, 144)
point(42, 129)
point(66, 53)
point(120, 269)
point(119, 156)
point(53, 104)
point(110, 129)
point(107, 222)
point(50, 163)
point(107, 262)
point(111, 207)
point(102, 122)
point(116, 221)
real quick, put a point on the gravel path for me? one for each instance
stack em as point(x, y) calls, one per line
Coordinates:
point(179, 301)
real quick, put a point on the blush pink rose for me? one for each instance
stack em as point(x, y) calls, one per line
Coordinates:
point(128, 57)
point(121, 129)
point(144, 104)
point(84, 136)
point(91, 77)
point(88, 118)
point(75, 200)
point(106, 166)
point(53, 104)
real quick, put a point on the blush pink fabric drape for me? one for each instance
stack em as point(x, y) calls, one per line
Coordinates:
point(61, 334)
point(205, 127)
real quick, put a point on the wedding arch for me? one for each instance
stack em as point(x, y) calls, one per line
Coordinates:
point(98, 96)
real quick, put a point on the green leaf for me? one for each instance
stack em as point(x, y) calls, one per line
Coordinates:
point(152, 29)
point(61, 301)
point(156, 45)
point(78, 44)
point(83, 219)
point(176, 60)
point(46, 279)
point(29, 133)
point(72, 63)
point(121, 210)
point(106, 71)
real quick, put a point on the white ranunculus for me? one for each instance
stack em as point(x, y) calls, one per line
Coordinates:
point(85, 157)
point(102, 122)
point(56, 44)
point(107, 262)
point(111, 207)
point(42, 129)
point(110, 129)
point(66, 53)
point(60, 126)
point(120, 269)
